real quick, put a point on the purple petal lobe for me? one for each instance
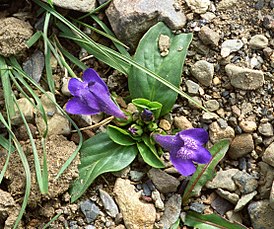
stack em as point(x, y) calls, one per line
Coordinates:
point(185, 167)
point(199, 135)
point(201, 155)
point(168, 142)
point(108, 106)
point(77, 106)
point(90, 75)
point(75, 86)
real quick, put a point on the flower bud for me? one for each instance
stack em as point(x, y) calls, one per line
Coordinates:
point(135, 130)
point(147, 116)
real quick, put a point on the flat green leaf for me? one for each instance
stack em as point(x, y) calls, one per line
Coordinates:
point(211, 221)
point(98, 155)
point(155, 107)
point(205, 172)
point(168, 67)
point(149, 156)
point(120, 136)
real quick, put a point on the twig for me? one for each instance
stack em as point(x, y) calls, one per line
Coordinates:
point(102, 123)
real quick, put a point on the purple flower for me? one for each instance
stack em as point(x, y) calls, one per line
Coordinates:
point(91, 96)
point(185, 148)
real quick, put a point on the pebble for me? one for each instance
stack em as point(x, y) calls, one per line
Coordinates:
point(203, 71)
point(223, 179)
point(172, 211)
point(34, 65)
point(271, 197)
point(212, 105)
point(192, 87)
point(266, 129)
point(216, 133)
point(164, 182)
point(226, 4)
point(26, 108)
point(208, 117)
point(197, 207)
point(156, 196)
point(229, 46)
point(244, 200)
point(64, 89)
point(209, 16)
point(198, 6)
point(182, 123)
point(136, 213)
point(261, 214)
point(222, 123)
point(245, 182)
point(136, 175)
point(258, 42)
point(90, 210)
point(129, 29)
point(165, 124)
point(265, 180)
point(221, 205)
point(209, 36)
point(234, 216)
point(78, 5)
point(244, 78)
point(240, 146)
point(231, 197)
point(248, 126)
point(109, 204)
point(268, 155)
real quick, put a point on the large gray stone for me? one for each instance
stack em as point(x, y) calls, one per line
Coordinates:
point(172, 211)
point(78, 5)
point(223, 179)
point(164, 182)
point(244, 78)
point(261, 214)
point(130, 21)
point(245, 182)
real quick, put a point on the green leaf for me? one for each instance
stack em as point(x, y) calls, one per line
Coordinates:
point(169, 67)
point(98, 155)
point(149, 156)
point(120, 136)
point(205, 172)
point(155, 107)
point(211, 221)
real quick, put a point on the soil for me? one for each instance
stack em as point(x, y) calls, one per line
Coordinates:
point(241, 22)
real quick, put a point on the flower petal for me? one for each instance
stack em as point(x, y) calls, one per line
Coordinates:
point(168, 142)
point(201, 155)
point(198, 134)
point(75, 86)
point(185, 167)
point(77, 106)
point(90, 75)
point(107, 105)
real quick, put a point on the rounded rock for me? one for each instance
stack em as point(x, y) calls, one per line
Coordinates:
point(268, 156)
point(241, 145)
point(258, 42)
point(203, 71)
point(209, 36)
